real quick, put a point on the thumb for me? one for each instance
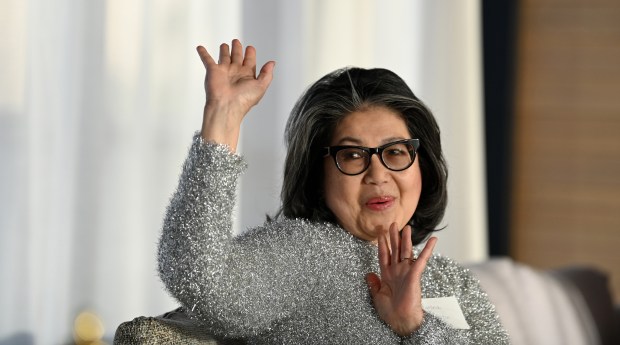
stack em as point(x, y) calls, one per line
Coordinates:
point(266, 73)
point(374, 283)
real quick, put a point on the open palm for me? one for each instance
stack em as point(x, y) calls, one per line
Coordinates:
point(397, 293)
point(232, 88)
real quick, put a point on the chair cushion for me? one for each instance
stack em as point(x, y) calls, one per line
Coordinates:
point(536, 307)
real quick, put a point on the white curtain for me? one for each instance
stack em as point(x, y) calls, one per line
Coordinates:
point(98, 103)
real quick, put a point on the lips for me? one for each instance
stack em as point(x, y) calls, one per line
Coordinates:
point(380, 203)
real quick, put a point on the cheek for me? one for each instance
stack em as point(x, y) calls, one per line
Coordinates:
point(339, 190)
point(329, 186)
point(411, 188)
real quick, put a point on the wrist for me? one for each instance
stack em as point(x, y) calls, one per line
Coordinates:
point(406, 329)
point(221, 124)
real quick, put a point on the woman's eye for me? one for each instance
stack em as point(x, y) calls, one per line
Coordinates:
point(395, 152)
point(350, 155)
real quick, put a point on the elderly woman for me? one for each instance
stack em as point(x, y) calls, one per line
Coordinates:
point(364, 182)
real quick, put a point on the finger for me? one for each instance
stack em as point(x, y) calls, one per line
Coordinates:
point(237, 52)
point(406, 247)
point(384, 252)
point(428, 249)
point(250, 58)
point(420, 263)
point(374, 283)
point(224, 54)
point(266, 73)
point(205, 56)
point(394, 244)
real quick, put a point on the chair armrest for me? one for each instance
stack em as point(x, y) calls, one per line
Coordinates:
point(593, 286)
point(173, 328)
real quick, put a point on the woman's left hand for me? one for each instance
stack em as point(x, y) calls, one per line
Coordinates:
point(397, 294)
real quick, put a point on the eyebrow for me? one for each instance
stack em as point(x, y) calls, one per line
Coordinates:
point(358, 142)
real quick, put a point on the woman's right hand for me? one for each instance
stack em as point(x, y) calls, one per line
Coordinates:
point(397, 293)
point(232, 89)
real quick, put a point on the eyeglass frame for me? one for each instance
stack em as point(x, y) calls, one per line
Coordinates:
point(333, 151)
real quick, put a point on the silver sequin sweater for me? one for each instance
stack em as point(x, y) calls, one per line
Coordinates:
point(290, 281)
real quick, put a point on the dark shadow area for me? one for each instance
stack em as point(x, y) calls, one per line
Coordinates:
point(499, 27)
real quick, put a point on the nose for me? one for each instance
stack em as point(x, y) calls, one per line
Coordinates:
point(376, 173)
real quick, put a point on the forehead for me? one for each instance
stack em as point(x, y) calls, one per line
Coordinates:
point(370, 126)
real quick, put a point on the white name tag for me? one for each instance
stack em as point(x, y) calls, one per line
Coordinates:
point(447, 309)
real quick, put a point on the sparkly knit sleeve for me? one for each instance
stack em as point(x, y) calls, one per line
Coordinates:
point(444, 278)
point(222, 280)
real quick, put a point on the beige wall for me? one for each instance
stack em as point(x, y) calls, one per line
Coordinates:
point(566, 185)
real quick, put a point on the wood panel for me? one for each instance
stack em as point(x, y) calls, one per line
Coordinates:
point(566, 177)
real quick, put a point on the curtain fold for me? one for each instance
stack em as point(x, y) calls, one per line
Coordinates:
point(98, 103)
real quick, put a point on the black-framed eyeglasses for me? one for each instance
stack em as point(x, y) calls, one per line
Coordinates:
point(354, 160)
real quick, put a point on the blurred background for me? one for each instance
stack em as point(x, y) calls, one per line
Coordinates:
point(99, 101)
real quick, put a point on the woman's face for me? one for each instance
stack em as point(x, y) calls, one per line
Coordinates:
point(366, 203)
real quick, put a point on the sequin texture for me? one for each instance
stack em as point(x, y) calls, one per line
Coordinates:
point(290, 281)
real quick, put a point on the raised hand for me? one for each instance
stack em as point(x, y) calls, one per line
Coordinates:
point(397, 294)
point(231, 88)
